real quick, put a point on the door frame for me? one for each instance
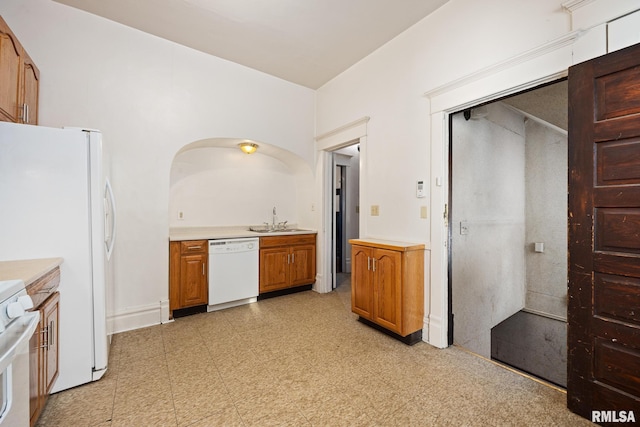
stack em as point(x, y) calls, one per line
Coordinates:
point(343, 136)
point(545, 64)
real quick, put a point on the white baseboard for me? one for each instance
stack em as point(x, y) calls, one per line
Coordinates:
point(138, 317)
point(435, 335)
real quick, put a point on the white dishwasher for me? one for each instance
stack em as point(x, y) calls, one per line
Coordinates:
point(233, 271)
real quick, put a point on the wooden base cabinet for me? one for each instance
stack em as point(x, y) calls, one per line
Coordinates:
point(43, 356)
point(387, 284)
point(188, 271)
point(287, 261)
point(19, 80)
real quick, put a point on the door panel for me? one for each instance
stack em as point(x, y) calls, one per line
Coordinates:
point(388, 289)
point(362, 282)
point(274, 269)
point(604, 234)
point(194, 290)
point(302, 271)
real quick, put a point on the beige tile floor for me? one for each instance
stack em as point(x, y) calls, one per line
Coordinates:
point(298, 360)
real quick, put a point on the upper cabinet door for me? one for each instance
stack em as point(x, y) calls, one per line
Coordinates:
point(9, 77)
point(19, 80)
point(30, 88)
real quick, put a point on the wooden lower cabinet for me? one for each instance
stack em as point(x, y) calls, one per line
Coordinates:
point(188, 272)
point(387, 284)
point(43, 355)
point(287, 261)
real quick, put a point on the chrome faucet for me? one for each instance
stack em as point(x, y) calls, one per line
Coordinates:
point(273, 219)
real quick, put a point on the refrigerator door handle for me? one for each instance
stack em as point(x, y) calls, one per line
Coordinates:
point(109, 219)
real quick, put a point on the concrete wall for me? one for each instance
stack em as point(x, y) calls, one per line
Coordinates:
point(488, 224)
point(546, 219)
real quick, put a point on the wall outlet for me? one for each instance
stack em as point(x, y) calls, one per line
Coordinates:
point(423, 212)
point(180, 215)
point(375, 210)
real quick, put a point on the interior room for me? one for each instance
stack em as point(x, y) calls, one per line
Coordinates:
point(204, 165)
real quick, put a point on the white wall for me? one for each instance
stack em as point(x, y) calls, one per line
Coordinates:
point(150, 97)
point(225, 187)
point(465, 52)
point(388, 86)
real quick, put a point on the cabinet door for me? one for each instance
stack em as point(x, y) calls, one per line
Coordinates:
point(30, 86)
point(193, 280)
point(9, 78)
point(274, 269)
point(361, 282)
point(302, 265)
point(36, 387)
point(50, 314)
point(387, 294)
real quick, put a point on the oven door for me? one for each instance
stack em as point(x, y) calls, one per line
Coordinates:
point(14, 370)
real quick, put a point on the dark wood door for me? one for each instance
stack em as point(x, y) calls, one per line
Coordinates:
point(604, 234)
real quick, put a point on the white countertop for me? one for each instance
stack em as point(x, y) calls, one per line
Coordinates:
point(27, 270)
point(212, 233)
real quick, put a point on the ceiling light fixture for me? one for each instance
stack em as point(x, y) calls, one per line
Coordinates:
point(248, 147)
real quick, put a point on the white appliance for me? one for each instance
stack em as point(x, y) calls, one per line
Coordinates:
point(56, 202)
point(16, 329)
point(233, 272)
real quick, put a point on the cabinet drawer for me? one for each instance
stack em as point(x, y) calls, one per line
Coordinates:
point(44, 287)
point(287, 240)
point(193, 246)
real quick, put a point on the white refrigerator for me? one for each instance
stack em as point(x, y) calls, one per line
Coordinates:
point(56, 201)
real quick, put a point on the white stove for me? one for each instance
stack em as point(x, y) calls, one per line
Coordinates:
point(16, 328)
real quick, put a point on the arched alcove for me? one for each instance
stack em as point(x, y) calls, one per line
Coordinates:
point(213, 183)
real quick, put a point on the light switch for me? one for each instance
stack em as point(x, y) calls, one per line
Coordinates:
point(180, 215)
point(375, 210)
point(423, 212)
point(539, 247)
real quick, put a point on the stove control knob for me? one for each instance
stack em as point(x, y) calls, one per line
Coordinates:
point(14, 310)
point(26, 302)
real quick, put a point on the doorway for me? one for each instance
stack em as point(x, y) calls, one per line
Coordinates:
point(345, 208)
point(508, 198)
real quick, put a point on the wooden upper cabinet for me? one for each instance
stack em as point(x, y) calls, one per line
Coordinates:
point(30, 91)
point(19, 80)
point(9, 77)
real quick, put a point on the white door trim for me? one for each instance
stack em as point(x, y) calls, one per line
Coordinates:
point(545, 64)
point(343, 136)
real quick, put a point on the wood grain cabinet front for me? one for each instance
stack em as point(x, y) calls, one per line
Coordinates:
point(387, 286)
point(44, 344)
point(188, 272)
point(19, 80)
point(287, 261)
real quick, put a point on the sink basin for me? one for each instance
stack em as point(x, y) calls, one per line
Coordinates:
point(268, 230)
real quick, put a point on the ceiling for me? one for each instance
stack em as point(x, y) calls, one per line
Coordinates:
point(548, 103)
point(307, 42)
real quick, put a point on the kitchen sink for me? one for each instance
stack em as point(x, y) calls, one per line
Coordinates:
point(268, 230)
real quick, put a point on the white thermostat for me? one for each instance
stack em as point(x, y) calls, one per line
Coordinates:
point(420, 189)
